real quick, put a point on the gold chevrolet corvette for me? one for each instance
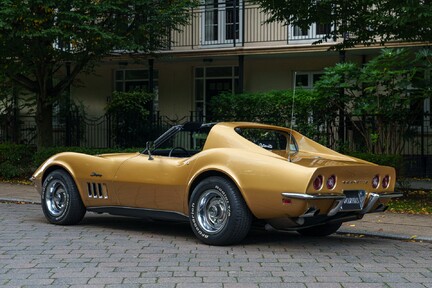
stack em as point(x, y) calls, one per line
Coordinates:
point(222, 178)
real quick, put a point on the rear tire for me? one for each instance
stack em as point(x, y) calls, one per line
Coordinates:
point(321, 230)
point(218, 213)
point(61, 202)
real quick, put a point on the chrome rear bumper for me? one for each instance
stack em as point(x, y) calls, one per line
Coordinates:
point(339, 200)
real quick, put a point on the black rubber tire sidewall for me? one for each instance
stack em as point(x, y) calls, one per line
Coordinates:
point(239, 217)
point(75, 209)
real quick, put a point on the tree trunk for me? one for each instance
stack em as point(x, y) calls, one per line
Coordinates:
point(44, 116)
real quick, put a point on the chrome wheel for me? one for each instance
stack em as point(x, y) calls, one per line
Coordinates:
point(56, 198)
point(212, 211)
point(61, 202)
point(218, 213)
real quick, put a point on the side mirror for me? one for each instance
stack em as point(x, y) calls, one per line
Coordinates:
point(149, 147)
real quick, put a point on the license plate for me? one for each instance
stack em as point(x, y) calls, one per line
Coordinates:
point(354, 200)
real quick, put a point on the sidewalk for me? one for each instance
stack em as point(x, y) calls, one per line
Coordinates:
point(384, 225)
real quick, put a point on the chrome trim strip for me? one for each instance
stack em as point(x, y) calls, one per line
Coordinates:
point(139, 212)
point(337, 205)
point(372, 199)
point(339, 199)
point(312, 197)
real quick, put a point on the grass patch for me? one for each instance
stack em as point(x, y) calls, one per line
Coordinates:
point(413, 202)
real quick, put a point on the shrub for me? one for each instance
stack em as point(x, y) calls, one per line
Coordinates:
point(129, 112)
point(20, 161)
point(16, 160)
point(395, 161)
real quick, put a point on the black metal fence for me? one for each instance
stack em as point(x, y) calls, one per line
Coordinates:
point(99, 133)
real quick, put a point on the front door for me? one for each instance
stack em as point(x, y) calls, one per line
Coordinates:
point(209, 83)
point(158, 184)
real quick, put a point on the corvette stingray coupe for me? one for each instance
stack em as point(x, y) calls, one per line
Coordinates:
point(222, 178)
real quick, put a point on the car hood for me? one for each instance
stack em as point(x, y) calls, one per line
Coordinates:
point(118, 156)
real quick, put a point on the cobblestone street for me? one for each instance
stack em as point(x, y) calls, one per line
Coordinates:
point(108, 251)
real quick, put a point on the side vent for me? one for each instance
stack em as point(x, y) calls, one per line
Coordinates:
point(97, 190)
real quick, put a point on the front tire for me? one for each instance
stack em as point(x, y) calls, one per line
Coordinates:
point(218, 213)
point(61, 202)
point(321, 230)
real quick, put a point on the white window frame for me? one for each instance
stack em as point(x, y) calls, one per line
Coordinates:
point(221, 40)
point(310, 75)
point(124, 81)
point(310, 36)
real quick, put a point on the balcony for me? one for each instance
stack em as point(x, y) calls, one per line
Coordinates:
point(233, 24)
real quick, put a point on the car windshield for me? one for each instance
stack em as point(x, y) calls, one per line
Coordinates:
point(277, 141)
point(182, 140)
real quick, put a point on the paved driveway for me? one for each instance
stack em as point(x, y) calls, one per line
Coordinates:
point(108, 251)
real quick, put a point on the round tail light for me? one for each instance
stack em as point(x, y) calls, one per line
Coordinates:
point(386, 181)
point(318, 182)
point(331, 182)
point(375, 181)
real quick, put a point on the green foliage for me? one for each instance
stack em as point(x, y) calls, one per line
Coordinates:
point(395, 161)
point(38, 39)
point(268, 107)
point(20, 161)
point(275, 107)
point(416, 202)
point(134, 102)
point(356, 22)
point(379, 97)
point(129, 112)
point(15, 160)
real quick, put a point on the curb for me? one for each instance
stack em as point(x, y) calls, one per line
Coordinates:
point(18, 201)
point(342, 231)
point(400, 237)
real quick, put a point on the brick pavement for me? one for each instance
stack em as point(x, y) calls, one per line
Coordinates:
point(108, 251)
point(384, 225)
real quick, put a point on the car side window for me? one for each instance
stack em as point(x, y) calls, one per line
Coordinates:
point(182, 144)
point(269, 139)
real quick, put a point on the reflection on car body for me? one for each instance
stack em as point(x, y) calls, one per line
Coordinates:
point(222, 178)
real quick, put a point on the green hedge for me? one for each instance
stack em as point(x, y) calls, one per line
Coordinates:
point(395, 161)
point(16, 161)
point(20, 161)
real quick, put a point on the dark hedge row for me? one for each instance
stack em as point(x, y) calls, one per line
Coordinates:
point(20, 161)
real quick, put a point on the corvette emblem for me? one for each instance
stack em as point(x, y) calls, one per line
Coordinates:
point(355, 182)
point(94, 174)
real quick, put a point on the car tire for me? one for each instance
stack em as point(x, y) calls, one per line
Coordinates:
point(61, 202)
point(321, 230)
point(218, 213)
